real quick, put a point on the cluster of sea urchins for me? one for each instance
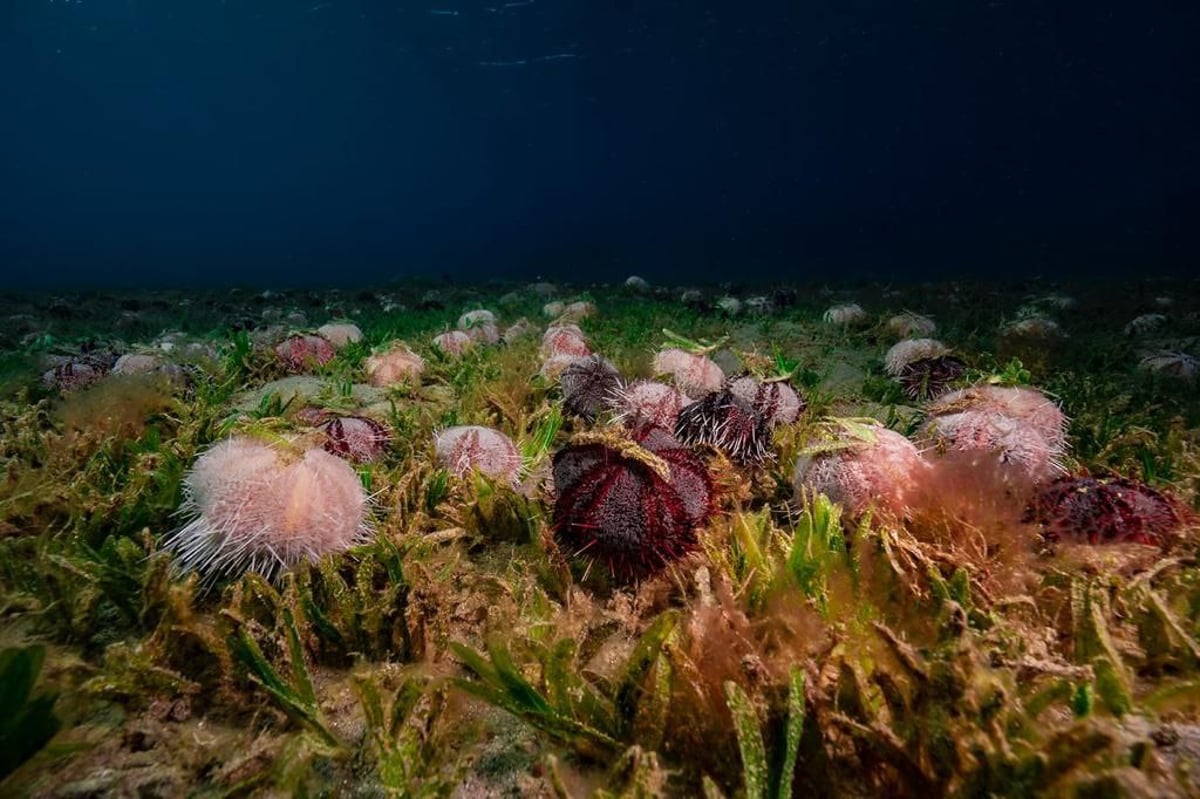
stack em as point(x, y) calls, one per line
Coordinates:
point(1018, 432)
point(632, 504)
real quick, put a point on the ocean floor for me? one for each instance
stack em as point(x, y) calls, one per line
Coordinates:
point(514, 540)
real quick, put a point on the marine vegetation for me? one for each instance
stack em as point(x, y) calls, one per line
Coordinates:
point(425, 540)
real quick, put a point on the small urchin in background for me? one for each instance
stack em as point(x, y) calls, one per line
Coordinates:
point(255, 507)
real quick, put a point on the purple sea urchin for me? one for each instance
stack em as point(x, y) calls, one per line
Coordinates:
point(588, 385)
point(633, 505)
point(71, 376)
point(356, 438)
point(930, 378)
point(1100, 510)
point(257, 508)
point(728, 423)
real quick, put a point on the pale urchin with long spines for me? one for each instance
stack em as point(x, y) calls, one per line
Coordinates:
point(256, 507)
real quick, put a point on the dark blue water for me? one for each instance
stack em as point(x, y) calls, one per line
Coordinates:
point(309, 141)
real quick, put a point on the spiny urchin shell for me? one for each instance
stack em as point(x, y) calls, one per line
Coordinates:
point(473, 448)
point(694, 375)
point(724, 421)
point(846, 314)
point(879, 469)
point(911, 325)
point(775, 400)
point(1099, 510)
point(1014, 443)
point(301, 353)
point(256, 508)
point(633, 505)
point(647, 402)
point(930, 378)
point(588, 386)
point(356, 438)
point(396, 365)
point(912, 349)
point(1028, 405)
point(452, 342)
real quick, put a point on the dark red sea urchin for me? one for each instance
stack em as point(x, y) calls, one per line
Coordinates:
point(632, 505)
point(1101, 510)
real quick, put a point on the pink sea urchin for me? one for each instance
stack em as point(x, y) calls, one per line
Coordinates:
point(564, 339)
point(774, 400)
point(397, 364)
point(1016, 445)
point(453, 342)
point(695, 375)
point(300, 353)
point(864, 467)
point(466, 448)
point(1028, 405)
point(255, 507)
point(646, 402)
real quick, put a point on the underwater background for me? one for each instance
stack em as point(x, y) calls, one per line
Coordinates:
point(280, 142)
point(599, 399)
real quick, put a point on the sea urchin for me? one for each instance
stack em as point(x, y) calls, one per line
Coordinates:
point(633, 505)
point(256, 507)
point(728, 423)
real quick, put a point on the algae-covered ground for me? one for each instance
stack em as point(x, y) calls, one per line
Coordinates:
point(462, 650)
